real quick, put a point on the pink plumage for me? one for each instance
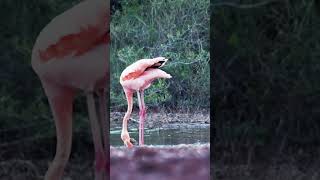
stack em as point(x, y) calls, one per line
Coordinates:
point(72, 53)
point(138, 77)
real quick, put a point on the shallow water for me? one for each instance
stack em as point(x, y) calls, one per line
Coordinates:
point(172, 134)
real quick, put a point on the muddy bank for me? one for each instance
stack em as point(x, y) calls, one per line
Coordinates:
point(19, 169)
point(290, 165)
point(80, 167)
point(281, 171)
point(161, 119)
point(182, 162)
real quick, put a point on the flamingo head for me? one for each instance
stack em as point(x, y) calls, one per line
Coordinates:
point(160, 62)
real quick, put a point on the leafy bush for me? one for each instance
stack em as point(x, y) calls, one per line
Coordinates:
point(266, 69)
point(175, 29)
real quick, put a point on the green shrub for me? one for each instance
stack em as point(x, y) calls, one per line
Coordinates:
point(266, 69)
point(175, 29)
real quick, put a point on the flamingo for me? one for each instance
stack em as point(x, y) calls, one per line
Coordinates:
point(71, 53)
point(138, 77)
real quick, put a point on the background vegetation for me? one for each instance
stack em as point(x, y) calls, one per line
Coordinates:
point(140, 29)
point(25, 117)
point(174, 29)
point(266, 78)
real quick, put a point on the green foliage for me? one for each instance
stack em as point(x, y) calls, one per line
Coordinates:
point(266, 66)
point(174, 29)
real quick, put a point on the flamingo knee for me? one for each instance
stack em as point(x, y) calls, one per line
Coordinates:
point(143, 112)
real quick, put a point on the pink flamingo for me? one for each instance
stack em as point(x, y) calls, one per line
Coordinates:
point(72, 53)
point(138, 77)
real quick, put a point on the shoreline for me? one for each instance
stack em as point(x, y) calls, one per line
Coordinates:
point(162, 119)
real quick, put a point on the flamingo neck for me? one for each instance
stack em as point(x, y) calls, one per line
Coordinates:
point(129, 109)
point(125, 121)
point(127, 115)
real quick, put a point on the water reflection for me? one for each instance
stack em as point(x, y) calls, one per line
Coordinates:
point(167, 136)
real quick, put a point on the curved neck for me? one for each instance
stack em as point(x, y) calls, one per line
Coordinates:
point(126, 117)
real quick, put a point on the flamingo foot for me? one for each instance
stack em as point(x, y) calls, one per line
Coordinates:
point(128, 142)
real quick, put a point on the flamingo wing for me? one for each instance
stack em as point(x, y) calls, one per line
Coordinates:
point(72, 50)
point(145, 79)
point(74, 32)
point(139, 67)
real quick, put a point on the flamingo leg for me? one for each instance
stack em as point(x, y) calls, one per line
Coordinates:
point(60, 100)
point(124, 133)
point(100, 156)
point(142, 115)
point(104, 112)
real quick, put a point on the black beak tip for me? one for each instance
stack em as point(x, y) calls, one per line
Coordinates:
point(133, 141)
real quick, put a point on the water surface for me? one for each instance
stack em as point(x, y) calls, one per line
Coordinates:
point(172, 134)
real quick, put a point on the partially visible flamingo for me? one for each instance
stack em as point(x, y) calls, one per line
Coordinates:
point(138, 77)
point(72, 53)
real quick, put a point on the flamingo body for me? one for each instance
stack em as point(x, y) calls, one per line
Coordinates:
point(144, 80)
point(72, 53)
point(60, 59)
point(138, 77)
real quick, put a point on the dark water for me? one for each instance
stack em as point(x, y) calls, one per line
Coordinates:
point(173, 134)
